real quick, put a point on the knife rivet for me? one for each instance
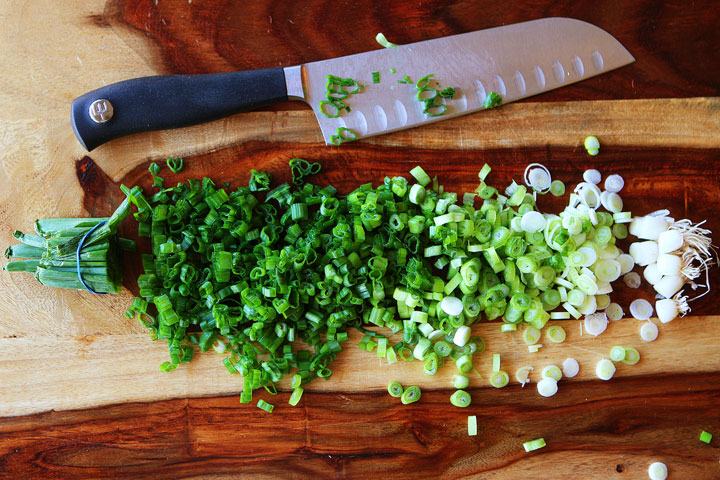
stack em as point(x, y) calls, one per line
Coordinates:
point(101, 110)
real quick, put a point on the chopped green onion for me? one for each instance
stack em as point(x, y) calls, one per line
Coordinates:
point(380, 38)
point(411, 395)
point(547, 387)
point(534, 444)
point(705, 437)
point(376, 77)
point(472, 425)
point(395, 389)
point(175, 164)
point(632, 356)
point(263, 405)
point(531, 335)
point(657, 471)
point(552, 371)
point(492, 100)
point(556, 334)
point(496, 362)
point(461, 399)
point(617, 353)
point(592, 145)
point(460, 381)
point(499, 379)
point(557, 188)
point(295, 396)
point(605, 369)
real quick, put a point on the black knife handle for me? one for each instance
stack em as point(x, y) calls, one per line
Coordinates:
point(171, 101)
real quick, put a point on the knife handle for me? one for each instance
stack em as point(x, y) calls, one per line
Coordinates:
point(171, 101)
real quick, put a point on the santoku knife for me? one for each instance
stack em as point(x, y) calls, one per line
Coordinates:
point(514, 61)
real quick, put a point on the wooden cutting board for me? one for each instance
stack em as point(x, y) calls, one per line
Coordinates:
point(80, 393)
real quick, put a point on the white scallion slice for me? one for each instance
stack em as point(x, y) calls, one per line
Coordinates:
point(669, 241)
point(626, 263)
point(523, 374)
point(603, 289)
point(453, 306)
point(644, 253)
point(426, 329)
point(641, 309)
point(556, 334)
point(617, 353)
point(559, 315)
point(552, 371)
point(612, 202)
point(605, 369)
point(657, 471)
point(602, 300)
point(436, 334)
point(534, 348)
point(570, 367)
point(592, 176)
point(499, 379)
point(649, 227)
point(669, 285)
point(537, 177)
point(607, 270)
point(614, 312)
point(595, 323)
point(532, 222)
point(589, 306)
point(609, 252)
point(462, 335)
point(668, 264)
point(632, 356)
point(571, 310)
point(590, 255)
point(531, 335)
point(632, 279)
point(651, 274)
point(614, 183)
point(547, 387)
point(649, 332)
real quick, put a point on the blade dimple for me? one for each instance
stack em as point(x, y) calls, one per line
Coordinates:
point(380, 117)
point(578, 66)
point(519, 82)
point(359, 122)
point(401, 112)
point(597, 61)
point(499, 85)
point(539, 76)
point(480, 92)
point(461, 103)
point(558, 71)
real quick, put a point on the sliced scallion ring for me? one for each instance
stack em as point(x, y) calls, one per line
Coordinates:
point(556, 334)
point(641, 309)
point(649, 332)
point(570, 367)
point(552, 371)
point(617, 353)
point(499, 379)
point(605, 369)
point(632, 356)
point(395, 389)
point(547, 387)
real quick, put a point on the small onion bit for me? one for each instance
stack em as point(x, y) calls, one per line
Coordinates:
point(649, 332)
point(641, 309)
point(547, 387)
point(538, 177)
point(570, 367)
point(632, 279)
point(614, 183)
point(657, 471)
point(596, 323)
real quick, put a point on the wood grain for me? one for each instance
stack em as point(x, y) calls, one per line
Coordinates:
point(602, 430)
point(123, 368)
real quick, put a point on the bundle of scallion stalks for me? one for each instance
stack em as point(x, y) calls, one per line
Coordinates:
point(52, 255)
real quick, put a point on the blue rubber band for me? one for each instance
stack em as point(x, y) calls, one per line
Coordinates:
point(77, 258)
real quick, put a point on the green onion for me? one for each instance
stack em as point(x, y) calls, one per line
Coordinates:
point(295, 396)
point(492, 100)
point(592, 145)
point(410, 395)
point(263, 405)
point(380, 38)
point(461, 399)
point(174, 164)
point(376, 77)
point(556, 334)
point(460, 381)
point(343, 134)
point(154, 168)
point(534, 444)
point(705, 437)
point(472, 425)
point(499, 379)
point(395, 389)
point(557, 188)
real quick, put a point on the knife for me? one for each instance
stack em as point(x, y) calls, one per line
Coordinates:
point(514, 61)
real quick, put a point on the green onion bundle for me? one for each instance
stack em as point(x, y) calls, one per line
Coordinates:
point(53, 257)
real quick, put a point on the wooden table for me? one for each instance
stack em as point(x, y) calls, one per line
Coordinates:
point(80, 394)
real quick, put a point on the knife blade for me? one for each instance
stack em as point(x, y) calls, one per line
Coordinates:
point(515, 61)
